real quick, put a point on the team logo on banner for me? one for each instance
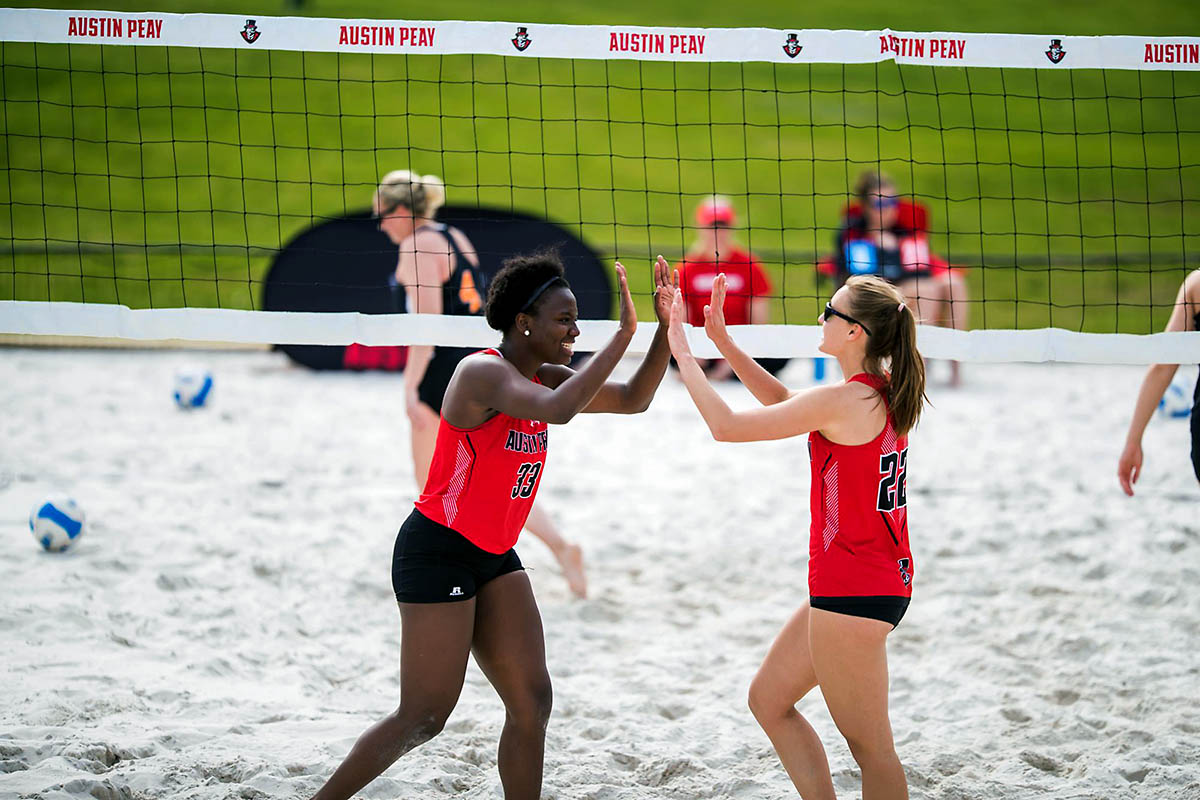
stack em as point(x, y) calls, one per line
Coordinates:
point(792, 46)
point(521, 40)
point(251, 32)
point(1056, 52)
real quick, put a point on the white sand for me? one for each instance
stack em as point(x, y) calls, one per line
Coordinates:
point(226, 629)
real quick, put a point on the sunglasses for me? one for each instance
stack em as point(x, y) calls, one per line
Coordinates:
point(830, 311)
point(383, 212)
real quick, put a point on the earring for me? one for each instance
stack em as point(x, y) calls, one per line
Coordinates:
point(527, 331)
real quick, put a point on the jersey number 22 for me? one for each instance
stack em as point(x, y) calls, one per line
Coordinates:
point(893, 467)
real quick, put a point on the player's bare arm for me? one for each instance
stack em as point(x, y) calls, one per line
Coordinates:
point(483, 386)
point(765, 387)
point(633, 396)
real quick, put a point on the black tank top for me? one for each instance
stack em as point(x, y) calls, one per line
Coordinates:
point(462, 296)
point(462, 293)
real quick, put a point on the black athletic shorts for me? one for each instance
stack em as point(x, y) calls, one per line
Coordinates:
point(885, 608)
point(434, 564)
point(439, 372)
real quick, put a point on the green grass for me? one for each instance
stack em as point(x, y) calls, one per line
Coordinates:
point(1069, 196)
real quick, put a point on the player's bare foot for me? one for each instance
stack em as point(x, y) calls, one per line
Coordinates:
point(570, 559)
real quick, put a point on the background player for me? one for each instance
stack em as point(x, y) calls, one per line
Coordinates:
point(1184, 317)
point(860, 567)
point(438, 270)
point(714, 252)
point(886, 235)
point(459, 583)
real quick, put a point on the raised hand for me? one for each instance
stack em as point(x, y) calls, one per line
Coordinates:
point(676, 336)
point(627, 315)
point(666, 281)
point(714, 312)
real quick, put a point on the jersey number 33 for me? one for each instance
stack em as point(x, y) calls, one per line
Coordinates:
point(527, 476)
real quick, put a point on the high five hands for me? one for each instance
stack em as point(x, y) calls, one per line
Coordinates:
point(714, 318)
point(666, 283)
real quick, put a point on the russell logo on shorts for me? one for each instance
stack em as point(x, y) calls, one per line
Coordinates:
point(456, 591)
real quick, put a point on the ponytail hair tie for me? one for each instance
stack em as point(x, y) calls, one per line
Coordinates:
point(899, 307)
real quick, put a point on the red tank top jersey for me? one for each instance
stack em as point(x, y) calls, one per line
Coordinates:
point(858, 542)
point(482, 480)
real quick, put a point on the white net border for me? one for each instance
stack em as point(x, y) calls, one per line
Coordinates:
point(228, 325)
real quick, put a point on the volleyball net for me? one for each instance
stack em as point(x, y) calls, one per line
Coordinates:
point(1044, 189)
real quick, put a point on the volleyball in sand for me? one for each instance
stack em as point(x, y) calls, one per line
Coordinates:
point(56, 522)
point(193, 387)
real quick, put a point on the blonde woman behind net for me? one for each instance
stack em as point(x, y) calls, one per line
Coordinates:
point(860, 568)
point(438, 269)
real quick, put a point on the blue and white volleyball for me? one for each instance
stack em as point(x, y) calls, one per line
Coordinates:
point(56, 522)
point(1176, 401)
point(193, 387)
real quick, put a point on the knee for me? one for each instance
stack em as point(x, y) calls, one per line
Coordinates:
point(532, 707)
point(869, 751)
point(418, 725)
point(766, 705)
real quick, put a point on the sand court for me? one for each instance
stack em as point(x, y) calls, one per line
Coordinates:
point(226, 627)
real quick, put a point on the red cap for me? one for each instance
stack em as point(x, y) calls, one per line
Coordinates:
point(715, 210)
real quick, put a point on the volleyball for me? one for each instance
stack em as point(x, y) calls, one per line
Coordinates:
point(1176, 402)
point(56, 522)
point(193, 387)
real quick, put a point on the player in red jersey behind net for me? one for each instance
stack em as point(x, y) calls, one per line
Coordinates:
point(747, 286)
point(459, 583)
point(860, 567)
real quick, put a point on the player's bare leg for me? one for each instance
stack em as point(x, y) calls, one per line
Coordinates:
point(937, 301)
point(510, 649)
point(954, 313)
point(435, 643)
point(424, 421)
point(849, 655)
point(568, 554)
point(787, 675)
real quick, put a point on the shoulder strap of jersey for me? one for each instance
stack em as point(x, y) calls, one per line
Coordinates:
point(492, 351)
point(876, 382)
point(460, 261)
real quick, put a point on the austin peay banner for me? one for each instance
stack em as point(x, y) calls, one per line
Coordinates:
point(447, 37)
point(344, 264)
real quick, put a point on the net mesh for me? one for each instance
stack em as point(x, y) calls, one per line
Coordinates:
point(158, 177)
